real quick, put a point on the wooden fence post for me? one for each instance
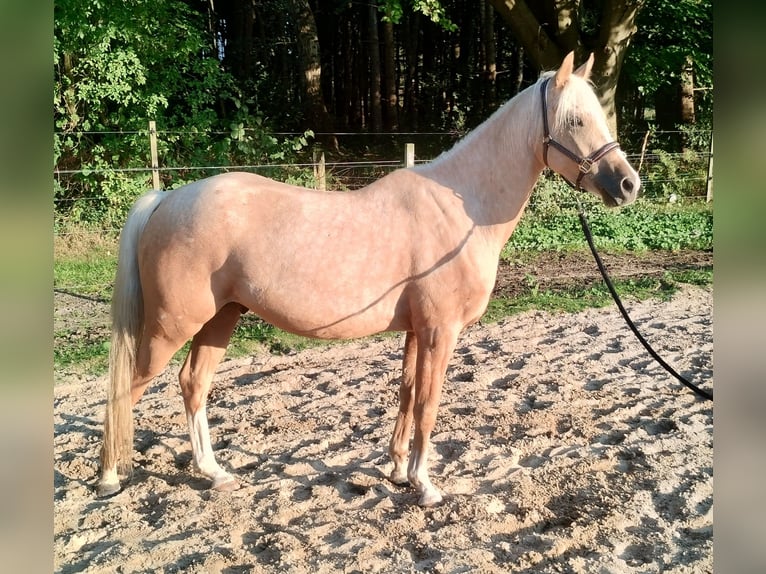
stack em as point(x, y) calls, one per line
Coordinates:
point(409, 155)
point(153, 150)
point(710, 172)
point(643, 150)
point(320, 176)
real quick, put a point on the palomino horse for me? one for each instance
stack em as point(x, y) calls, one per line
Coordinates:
point(416, 251)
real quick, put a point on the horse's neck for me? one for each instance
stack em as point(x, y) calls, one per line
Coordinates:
point(495, 167)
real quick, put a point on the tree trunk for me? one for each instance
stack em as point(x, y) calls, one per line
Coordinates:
point(687, 96)
point(565, 14)
point(519, 80)
point(390, 103)
point(530, 33)
point(617, 26)
point(553, 29)
point(373, 45)
point(315, 112)
point(687, 92)
point(239, 17)
point(412, 31)
point(346, 75)
point(490, 55)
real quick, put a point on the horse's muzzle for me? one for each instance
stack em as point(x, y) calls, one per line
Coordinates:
point(617, 191)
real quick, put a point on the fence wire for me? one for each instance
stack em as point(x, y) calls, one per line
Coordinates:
point(659, 169)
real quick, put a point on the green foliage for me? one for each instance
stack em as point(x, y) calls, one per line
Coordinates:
point(393, 10)
point(674, 176)
point(119, 64)
point(572, 300)
point(88, 357)
point(667, 33)
point(551, 223)
point(253, 334)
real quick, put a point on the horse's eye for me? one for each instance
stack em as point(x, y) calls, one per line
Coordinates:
point(575, 122)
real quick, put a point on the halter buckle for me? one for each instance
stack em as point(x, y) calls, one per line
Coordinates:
point(585, 165)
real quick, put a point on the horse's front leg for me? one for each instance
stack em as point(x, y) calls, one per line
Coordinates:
point(435, 348)
point(207, 350)
point(399, 446)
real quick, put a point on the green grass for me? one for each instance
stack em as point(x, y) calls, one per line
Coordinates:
point(85, 262)
point(573, 300)
point(87, 357)
point(552, 223)
point(254, 335)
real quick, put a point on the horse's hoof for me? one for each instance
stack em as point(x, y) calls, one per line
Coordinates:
point(107, 489)
point(430, 499)
point(399, 478)
point(225, 484)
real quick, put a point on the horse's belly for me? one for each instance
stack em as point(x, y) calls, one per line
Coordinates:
point(330, 315)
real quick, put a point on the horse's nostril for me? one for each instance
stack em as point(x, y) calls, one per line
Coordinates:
point(627, 185)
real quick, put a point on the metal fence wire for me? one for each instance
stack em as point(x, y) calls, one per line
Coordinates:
point(664, 174)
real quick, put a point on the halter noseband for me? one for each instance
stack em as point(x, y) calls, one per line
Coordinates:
point(584, 163)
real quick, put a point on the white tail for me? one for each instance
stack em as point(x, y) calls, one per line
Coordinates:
point(127, 324)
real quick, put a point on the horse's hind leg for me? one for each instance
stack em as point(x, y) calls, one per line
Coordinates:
point(398, 448)
point(153, 354)
point(207, 350)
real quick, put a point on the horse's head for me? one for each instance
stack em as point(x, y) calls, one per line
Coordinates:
point(576, 140)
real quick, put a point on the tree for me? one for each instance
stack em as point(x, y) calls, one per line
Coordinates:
point(314, 106)
point(549, 29)
point(237, 19)
point(670, 67)
point(287, 65)
point(489, 50)
point(117, 65)
point(390, 98)
point(373, 44)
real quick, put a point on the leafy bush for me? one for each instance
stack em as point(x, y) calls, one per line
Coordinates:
point(551, 223)
point(120, 64)
point(673, 175)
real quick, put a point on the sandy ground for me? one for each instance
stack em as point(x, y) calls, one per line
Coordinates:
point(560, 446)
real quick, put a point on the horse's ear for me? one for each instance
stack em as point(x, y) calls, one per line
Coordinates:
point(584, 70)
point(562, 76)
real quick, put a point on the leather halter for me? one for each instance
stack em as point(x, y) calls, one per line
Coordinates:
point(585, 164)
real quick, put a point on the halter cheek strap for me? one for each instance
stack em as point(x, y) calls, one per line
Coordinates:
point(585, 164)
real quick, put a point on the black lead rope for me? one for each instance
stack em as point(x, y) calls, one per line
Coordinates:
point(586, 230)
